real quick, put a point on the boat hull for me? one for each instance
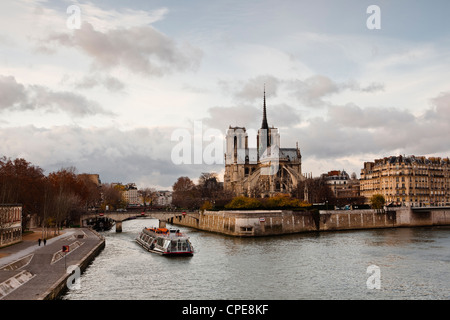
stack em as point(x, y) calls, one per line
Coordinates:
point(150, 247)
point(165, 253)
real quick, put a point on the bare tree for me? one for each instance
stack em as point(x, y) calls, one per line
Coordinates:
point(314, 190)
point(112, 197)
point(148, 195)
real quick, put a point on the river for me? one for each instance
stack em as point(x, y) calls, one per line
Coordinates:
point(412, 263)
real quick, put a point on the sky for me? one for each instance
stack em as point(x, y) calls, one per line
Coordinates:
point(116, 87)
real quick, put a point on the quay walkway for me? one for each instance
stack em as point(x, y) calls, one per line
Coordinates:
point(29, 271)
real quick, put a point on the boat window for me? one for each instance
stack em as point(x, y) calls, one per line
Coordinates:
point(166, 243)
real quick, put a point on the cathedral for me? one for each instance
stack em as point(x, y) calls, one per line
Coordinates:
point(263, 171)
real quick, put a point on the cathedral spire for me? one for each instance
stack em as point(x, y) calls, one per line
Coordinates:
point(264, 121)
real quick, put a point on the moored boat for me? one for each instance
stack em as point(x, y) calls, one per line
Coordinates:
point(167, 242)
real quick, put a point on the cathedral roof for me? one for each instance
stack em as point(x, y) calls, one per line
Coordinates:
point(264, 124)
point(288, 152)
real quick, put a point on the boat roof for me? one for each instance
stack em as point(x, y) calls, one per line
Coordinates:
point(164, 232)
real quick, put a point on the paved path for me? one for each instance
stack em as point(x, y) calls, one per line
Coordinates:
point(28, 270)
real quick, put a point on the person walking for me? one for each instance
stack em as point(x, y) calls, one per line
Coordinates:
point(39, 241)
point(45, 241)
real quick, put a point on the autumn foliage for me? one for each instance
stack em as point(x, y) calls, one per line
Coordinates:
point(56, 199)
point(280, 201)
point(242, 202)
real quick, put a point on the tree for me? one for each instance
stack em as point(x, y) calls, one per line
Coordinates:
point(148, 195)
point(183, 184)
point(314, 190)
point(242, 202)
point(283, 201)
point(112, 197)
point(377, 201)
point(69, 195)
point(89, 191)
point(185, 194)
point(21, 182)
point(207, 205)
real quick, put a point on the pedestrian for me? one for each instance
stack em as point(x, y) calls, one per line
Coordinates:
point(45, 241)
point(39, 241)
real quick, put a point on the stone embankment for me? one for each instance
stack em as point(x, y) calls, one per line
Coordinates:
point(278, 222)
point(33, 271)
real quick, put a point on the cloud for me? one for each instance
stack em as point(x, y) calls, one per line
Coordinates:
point(15, 96)
point(440, 108)
point(313, 90)
point(324, 139)
point(140, 49)
point(351, 115)
point(112, 84)
point(222, 117)
point(103, 19)
point(139, 155)
point(12, 93)
point(351, 130)
point(310, 92)
point(282, 115)
point(250, 117)
point(252, 90)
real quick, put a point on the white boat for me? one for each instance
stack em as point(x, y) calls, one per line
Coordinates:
point(167, 242)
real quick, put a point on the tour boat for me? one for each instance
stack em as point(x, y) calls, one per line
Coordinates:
point(166, 242)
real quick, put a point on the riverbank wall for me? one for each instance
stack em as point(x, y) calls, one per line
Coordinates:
point(279, 222)
point(34, 271)
point(60, 286)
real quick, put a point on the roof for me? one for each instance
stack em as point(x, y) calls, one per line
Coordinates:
point(290, 153)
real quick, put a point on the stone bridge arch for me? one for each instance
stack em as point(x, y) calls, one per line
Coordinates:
point(119, 217)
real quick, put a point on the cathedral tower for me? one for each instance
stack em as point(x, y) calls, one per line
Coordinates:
point(264, 171)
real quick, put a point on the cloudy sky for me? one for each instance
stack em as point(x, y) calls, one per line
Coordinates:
point(108, 90)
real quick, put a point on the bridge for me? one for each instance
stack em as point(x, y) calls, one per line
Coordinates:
point(119, 216)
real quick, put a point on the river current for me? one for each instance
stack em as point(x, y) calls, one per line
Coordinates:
point(412, 263)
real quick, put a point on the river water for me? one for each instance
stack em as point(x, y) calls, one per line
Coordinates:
point(413, 263)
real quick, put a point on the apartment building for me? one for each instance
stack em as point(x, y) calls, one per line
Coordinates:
point(10, 224)
point(131, 195)
point(408, 181)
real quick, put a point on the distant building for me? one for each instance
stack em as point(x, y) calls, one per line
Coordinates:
point(10, 224)
point(95, 178)
point(337, 181)
point(345, 189)
point(163, 198)
point(341, 184)
point(408, 181)
point(130, 194)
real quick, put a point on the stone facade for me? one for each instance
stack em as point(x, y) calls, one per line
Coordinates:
point(263, 171)
point(10, 224)
point(341, 184)
point(408, 181)
point(278, 222)
point(164, 198)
